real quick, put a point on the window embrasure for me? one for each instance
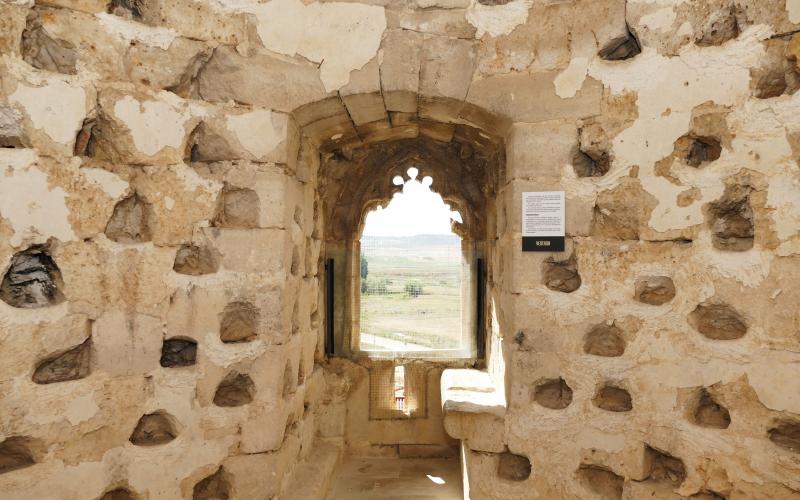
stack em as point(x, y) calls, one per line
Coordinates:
point(414, 271)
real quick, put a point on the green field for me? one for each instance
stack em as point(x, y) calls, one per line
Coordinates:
point(396, 315)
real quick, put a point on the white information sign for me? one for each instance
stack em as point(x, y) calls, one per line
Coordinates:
point(543, 215)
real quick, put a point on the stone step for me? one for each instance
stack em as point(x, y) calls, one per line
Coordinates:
point(312, 478)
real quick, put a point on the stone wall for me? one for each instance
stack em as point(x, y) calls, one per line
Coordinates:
point(163, 217)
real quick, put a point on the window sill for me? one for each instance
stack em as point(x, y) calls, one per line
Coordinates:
point(474, 409)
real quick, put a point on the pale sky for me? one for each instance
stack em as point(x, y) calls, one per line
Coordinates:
point(415, 210)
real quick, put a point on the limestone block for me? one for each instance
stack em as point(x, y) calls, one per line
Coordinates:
point(279, 194)
point(141, 128)
point(264, 251)
point(263, 431)
point(365, 108)
point(172, 68)
point(445, 22)
point(127, 345)
point(400, 69)
point(202, 21)
point(26, 349)
point(446, 67)
point(53, 106)
point(88, 6)
point(531, 97)
point(10, 127)
point(12, 24)
point(179, 200)
point(331, 419)
point(248, 471)
point(258, 135)
point(539, 150)
point(275, 82)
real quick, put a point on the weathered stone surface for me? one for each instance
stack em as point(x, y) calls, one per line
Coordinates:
point(217, 486)
point(709, 413)
point(718, 321)
point(561, 276)
point(621, 48)
point(720, 27)
point(513, 467)
point(118, 494)
point(178, 352)
point(786, 435)
point(622, 213)
point(262, 80)
point(130, 222)
point(553, 393)
point(10, 128)
point(32, 280)
point(611, 398)
point(70, 365)
point(663, 467)
point(697, 151)
point(154, 429)
point(732, 220)
point(604, 340)
point(41, 51)
point(238, 208)
point(654, 290)
point(601, 481)
point(196, 260)
point(236, 389)
point(15, 454)
point(238, 322)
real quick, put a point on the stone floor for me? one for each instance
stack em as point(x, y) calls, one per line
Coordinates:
point(398, 479)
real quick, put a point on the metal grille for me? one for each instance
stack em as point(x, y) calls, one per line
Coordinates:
point(411, 294)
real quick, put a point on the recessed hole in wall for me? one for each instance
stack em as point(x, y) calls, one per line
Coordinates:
point(732, 220)
point(621, 48)
point(154, 429)
point(236, 389)
point(33, 280)
point(15, 453)
point(119, 494)
point(709, 413)
point(561, 275)
point(42, 51)
point(217, 486)
point(720, 27)
point(84, 141)
point(176, 352)
point(196, 260)
point(708, 495)
point(238, 208)
point(70, 365)
point(612, 398)
point(604, 340)
point(663, 466)
point(130, 222)
point(590, 163)
point(129, 9)
point(238, 323)
point(289, 380)
point(513, 467)
point(718, 321)
point(786, 434)
point(553, 393)
point(654, 290)
point(698, 150)
point(601, 481)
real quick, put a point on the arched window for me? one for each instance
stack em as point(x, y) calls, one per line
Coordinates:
point(413, 276)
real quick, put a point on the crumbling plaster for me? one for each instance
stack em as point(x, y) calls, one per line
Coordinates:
point(258, 134)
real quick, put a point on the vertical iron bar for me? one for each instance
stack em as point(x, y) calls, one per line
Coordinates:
point(329, 340)
point(480, 294)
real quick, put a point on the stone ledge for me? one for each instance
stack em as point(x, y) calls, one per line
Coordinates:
point(471, 391)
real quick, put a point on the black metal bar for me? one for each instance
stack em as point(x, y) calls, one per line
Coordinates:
point(480, 322)
point(329, 341)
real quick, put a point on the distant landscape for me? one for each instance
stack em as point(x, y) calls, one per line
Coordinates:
point(411, 295)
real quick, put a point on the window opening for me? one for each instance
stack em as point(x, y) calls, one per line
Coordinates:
point(412, 274)
point(399, 388)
